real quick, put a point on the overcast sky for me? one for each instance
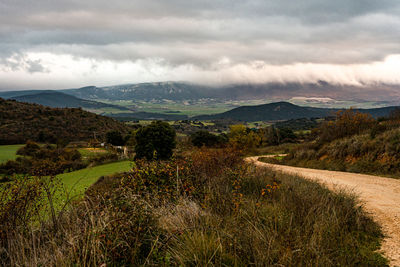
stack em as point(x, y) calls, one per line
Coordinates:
point(52, 44)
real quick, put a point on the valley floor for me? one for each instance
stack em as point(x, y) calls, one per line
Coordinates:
point(380, 197)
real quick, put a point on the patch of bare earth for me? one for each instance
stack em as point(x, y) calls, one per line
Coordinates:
point(380, 197)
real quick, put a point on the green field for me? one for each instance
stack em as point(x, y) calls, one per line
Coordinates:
point(8, 152)
point(91, 152)
point(77, 182)
point(189, 108)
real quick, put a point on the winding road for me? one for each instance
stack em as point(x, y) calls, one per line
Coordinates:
point(380, 197)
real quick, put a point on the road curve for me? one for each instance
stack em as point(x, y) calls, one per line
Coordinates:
point(380, 196)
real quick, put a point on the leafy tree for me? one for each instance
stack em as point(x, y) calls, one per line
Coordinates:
point(130, 139)
point(274, 136)
point(237, 130)
point(205, 138)
point(243, 138)
point(155, 141)
point(115, 138)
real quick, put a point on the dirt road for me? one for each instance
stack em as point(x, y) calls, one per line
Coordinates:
point(380, 195)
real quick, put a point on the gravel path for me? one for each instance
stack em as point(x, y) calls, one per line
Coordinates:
point(380, 195)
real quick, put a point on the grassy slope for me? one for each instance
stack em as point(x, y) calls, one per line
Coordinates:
point(78, 181)
point(8, 152)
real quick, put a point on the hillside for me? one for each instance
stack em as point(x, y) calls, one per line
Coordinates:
point(20, 122)
point(60, 100)
point(284, 111)
point(269, 112)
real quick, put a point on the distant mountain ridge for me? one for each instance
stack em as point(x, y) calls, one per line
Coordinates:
point(280, 111)
point(181, 91)
point(144, 91)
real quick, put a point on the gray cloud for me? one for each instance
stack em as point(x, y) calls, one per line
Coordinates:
point(18, 62)
point(199, 33)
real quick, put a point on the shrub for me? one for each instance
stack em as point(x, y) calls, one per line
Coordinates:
point(29, 149)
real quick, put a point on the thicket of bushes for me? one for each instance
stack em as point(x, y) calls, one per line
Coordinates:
point(48, 159)
point(207, 208)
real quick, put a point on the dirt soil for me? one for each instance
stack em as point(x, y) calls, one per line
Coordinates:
point(380, 197)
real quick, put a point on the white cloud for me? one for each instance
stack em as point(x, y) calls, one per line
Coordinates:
point(66, 71)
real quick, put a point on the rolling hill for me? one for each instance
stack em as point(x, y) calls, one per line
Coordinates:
point(20, 122)
point(284, 111)
point(61, 100)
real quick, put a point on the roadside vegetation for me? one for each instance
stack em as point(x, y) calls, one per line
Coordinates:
point(352, 142)
point(206, 208)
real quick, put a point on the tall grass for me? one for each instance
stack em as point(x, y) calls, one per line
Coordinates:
point(209, 208)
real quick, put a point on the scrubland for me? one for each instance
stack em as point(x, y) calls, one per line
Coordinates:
point(202, 207)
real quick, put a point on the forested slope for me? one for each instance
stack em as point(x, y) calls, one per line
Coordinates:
point(20, 122)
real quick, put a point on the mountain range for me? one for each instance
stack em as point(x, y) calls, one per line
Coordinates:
point(179, 91)
point(92, 98)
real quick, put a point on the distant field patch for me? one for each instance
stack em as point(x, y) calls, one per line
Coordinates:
point(89, 152)
point(8, 152)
